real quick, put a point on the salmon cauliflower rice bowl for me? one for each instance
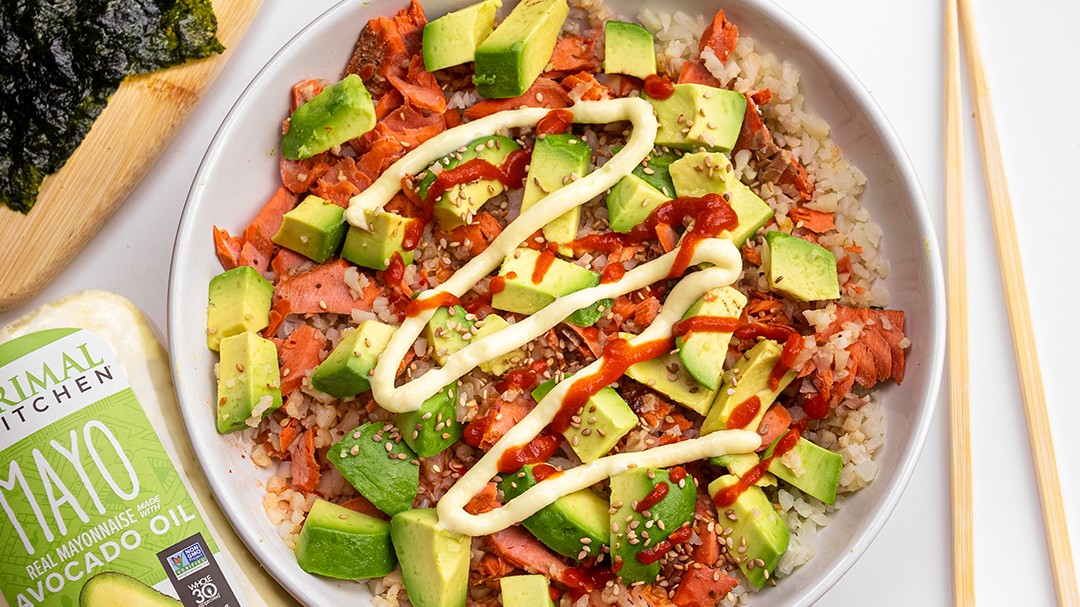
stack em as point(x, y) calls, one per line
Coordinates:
point(556, 306)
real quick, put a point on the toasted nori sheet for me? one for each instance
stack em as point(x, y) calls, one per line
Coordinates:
point(61, 60)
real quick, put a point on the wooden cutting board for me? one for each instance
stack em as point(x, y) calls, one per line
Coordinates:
point(123, 144)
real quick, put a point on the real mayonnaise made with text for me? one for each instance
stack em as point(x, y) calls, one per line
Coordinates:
point(96, 508)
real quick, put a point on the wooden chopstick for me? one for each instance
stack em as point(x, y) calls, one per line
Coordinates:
point(959, 413)
point(1016, 302)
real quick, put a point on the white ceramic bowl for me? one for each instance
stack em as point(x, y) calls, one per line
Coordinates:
point(238, 174)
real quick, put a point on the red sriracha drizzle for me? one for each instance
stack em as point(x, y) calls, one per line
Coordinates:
point(725, 497)
point(793, 346)
point(542, 472)
point(555, 122)
point(518, 379)
point(539, 449)
point(658, 87)
point(619, 355)
point(438, 300)
point(510, 173)
point(582, 580)
point(659, 492)
point(544, 262)
point(744, 413)
point(711, 214)
point(651, 555)
point(704, 324)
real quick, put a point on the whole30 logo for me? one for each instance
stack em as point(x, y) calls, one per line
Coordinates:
point(204, 590)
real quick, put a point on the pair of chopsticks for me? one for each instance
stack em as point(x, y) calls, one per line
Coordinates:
point(959, 20)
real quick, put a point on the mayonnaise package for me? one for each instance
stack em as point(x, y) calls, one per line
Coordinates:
point(95, 504)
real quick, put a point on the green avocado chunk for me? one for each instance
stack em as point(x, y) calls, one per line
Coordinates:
point(561, 524)
point(379, 464)
point(703, 352)
point(249, 382)
point(799, 268)
point(704, 173)
point(523, 296)
point(346, 372)
point(239, 301)
point(434, 561)
point(759, 525)
point(605, 419)
point(525, 591)
point(458, 205)
point(628, 540)
point(814, 470)
point(373, 248)
point(628, 49)
point(313, 229)
point(699, 116)
point(446, 333)
point(666, 375)
point(342, 111)
point(112, 589)
point(343, 544)
point(434, 426)
point(452, 39)
point(749, 378)
point(631, 201)
point(510, 59)
point(556, 161)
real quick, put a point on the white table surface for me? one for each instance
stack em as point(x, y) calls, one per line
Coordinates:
point(895, 48)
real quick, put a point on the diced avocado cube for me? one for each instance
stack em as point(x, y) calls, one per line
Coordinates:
point(587, 316)
point(434, 426)
point(343, 544)
point(697, 116)
point(510, 59)
point(675, 509)
point(814, 470)
point(342, 111)
point(561, 524)
point(605, 419)
point(628, 49)
point(523, 296)
point(434, 561)
point(313, 229)
point(379, 465)
point(113, 589)
point(710, 172)
point(655, 170)
point(741, 463)
point(799, 268)
point(700, 173)
point(749, 378)
point(631, 201)
point(703, 352)
point(452, 39)
point(239, 301)
point(373, 249)
point(249, 382)
point(757, 523)
point(753, 212)
point(346, 372)
point(447, 329)
point(556, 161)
point(525, 591)
point(456, 206)
point(666, 375)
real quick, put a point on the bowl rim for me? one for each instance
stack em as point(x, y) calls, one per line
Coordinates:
point(218, 476)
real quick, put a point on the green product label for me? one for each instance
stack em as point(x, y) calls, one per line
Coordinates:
point(85, 485)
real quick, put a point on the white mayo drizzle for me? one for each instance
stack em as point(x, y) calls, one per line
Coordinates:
point(727, 265)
